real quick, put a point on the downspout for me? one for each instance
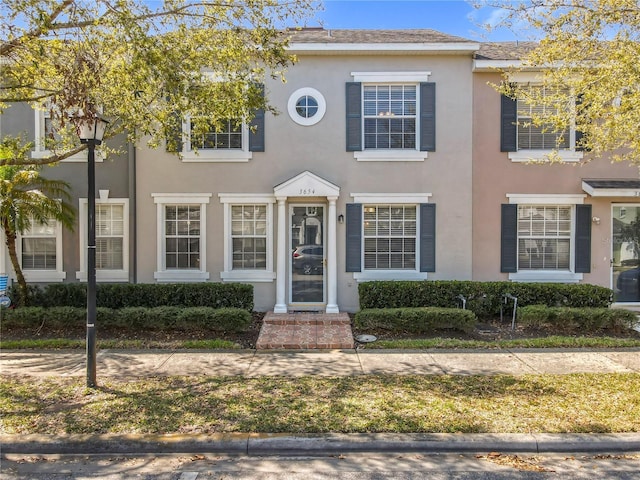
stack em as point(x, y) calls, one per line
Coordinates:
point(133, 210)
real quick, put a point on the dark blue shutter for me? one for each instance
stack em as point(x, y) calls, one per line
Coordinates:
point(354, 116)
point(256, 129)
point(509, 238)
point(583, 239)
point(508, 121)
point(427, 237)
point(354, 237)
point(428, 117)
point(578, 144)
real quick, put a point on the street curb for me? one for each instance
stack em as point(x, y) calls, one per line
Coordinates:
point(259, 444)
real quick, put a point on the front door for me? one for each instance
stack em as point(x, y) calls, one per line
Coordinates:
point(307, 262)
point(625, 257)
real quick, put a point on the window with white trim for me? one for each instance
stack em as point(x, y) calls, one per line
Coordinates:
point(181, 237)
point(390, 116)
point(41, 252)
point(389, 236)
point(226, 142)
point(112, 240)
point(248, 242)
point(544, 136)
point(46, 135)
point(544, 237)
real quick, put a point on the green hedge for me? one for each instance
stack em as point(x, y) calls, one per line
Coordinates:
point(483, 298)
point(416, 320)
point(166, 318)
point(121, 295)
point(576, 319)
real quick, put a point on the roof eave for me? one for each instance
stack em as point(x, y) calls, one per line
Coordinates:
point(346, 48)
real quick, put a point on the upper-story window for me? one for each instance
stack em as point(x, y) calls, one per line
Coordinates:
point(391, 116)
point(306, 106)
point(228, 136)
point(539, 136)
point(527, 136)
point(47, 135)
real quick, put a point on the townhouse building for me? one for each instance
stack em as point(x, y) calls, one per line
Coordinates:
point(391, 158)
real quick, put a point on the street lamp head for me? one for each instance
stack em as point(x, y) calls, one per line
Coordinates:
point(92, 129)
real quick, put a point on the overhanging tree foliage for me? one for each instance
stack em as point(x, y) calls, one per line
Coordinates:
point(588, 51)
point(140, 63)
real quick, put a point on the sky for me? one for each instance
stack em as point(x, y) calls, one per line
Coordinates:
point(455, 17)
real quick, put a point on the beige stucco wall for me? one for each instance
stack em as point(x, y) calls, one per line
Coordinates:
point(494, 175)
point(292, 149)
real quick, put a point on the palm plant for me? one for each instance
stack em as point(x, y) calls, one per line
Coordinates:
point(26, 197)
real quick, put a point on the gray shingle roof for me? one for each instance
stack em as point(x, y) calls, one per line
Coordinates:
point(321, 35)
point(504, 50)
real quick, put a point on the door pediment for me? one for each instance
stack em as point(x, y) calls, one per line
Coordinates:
point(306, 184)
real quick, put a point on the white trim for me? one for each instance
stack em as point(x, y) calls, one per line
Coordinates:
point(391, 198)
point(493, 65)
point(179, 275)
point(546, 198)
point(390, 77)
point(38, 145)
point(38, 275)
point(293, 112)
point(525, 156)
point(550, 276)
point(214, 155)
point(104, 275)
point(229, 274)
point(610, 192)
point(370, 275)
point(461, 47)
point(381, 155)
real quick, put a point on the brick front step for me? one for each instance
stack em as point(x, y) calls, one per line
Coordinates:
point(303, 331)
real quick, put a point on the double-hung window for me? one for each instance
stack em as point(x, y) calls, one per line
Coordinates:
point(41, 252)
point(390, 237)
point(46, 137)
point(390, 116)
point(546, 238)
point(181, 237)
point(528, 131)
point(248, 237)
point(112, 240)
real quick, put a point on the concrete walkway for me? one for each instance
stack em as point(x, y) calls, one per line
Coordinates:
point(249, 363)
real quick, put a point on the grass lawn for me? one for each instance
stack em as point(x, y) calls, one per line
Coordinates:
point(585, 403)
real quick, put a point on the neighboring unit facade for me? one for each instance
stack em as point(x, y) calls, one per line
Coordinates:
point(50, 253)
point(392, 158)
point(559, 222)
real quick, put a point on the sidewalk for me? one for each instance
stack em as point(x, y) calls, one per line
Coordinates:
point(124, 364)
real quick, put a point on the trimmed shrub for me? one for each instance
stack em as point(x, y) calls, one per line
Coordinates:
point(212, 319)
point(416, 320)
point(33, 317)
point(576, 319)
point(482, 298)
point(149, 295)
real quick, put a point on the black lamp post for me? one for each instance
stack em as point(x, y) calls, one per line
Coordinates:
point(91, 131)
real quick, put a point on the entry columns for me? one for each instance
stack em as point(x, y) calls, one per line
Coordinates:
point(332, 258)
point(281, 267)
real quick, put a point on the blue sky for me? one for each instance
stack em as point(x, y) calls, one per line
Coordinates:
point(456, 17)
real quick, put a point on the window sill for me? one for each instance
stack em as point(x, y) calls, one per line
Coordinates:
point(371, 275)
point(390, 156)
point(181, 276)
point(106, 276)
point(216, 156)
point(44, 276)
point(546, 276)
point(80, 157)
point(248, 276)
point(524, 156)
